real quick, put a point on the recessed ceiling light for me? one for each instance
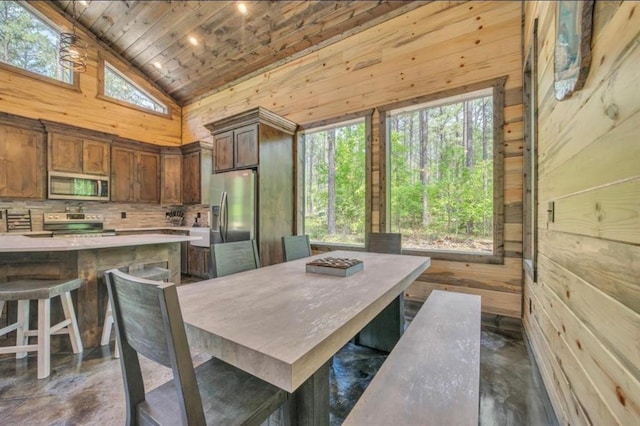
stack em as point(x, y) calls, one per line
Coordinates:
point(84, 2)
point(157, 65)
point(193, 40)
point(242, 8)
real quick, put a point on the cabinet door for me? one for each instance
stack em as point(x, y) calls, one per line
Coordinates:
point(95, 158)
point(123, 174)
point(148, 177)
point(199, 261)
point(246, 146)
point(65, 153)
point(171, 179)
point(223, 159)
point(191, 178)
point(22, 163)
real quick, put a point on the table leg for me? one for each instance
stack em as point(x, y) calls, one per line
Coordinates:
point(384, 331)
point(309, 404)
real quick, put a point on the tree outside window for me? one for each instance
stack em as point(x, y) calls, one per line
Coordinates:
point(27, 42)
point(441, 181)
point(334, 183)
point(117, 86)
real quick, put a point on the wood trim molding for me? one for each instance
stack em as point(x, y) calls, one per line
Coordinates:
point(253, 116)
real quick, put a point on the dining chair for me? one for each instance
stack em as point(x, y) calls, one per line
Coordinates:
point(385, 329)
point(149, 322)
point(296, 247)
point(231, 258)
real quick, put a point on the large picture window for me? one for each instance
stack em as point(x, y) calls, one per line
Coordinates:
point(334, 182)
point(120, 88)
point(29, 43)
point(442, 173)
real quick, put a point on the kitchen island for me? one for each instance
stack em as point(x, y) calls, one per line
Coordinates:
point(88, 258)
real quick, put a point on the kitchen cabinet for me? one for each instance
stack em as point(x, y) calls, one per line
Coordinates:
point(196, 172)
point(171, 178)
point(199, 259)
point(236, 149)
point(262, 140)
point(75, 154)
point(22, 159)
point(135, 175)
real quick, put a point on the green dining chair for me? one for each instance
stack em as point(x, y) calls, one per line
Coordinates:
point(231, 258)
point(296, 247)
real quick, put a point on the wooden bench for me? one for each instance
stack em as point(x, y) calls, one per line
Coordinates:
point(432, 376)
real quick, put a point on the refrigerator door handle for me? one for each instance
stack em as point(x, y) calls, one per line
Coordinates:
point(224, 217)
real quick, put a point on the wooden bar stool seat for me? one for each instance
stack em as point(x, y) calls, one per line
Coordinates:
point(153, 273)
point(43, 291)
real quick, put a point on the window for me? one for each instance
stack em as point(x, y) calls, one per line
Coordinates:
point(442, 191)
point(29, 43)
point(119, 87)
point(334, 182)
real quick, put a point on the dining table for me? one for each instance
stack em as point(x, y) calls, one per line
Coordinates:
point(283, 324)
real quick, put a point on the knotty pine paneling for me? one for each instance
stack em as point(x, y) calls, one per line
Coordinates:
point(28, 97)
point(436, 47)
point(582, 316)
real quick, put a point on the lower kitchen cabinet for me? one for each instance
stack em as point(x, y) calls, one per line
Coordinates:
point(199, 259)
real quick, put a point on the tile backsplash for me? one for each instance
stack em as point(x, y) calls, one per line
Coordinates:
point(137, 215)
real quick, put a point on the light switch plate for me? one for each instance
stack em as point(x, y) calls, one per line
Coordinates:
point(550, 212)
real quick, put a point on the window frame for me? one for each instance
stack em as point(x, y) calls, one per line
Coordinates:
point(104, 62)
point(299, 176)
point(498, 91)
point(530, 169)
point(74, 85)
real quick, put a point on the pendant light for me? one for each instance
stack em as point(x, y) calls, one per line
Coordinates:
point(73, 51)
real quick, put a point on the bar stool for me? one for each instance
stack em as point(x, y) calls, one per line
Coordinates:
point(154, 274)
point(43, 291)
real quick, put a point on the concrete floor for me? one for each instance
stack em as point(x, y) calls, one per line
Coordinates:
point(87, 389)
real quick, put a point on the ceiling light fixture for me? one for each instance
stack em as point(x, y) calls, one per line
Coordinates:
point(242, 8)
point(72, 52)
point(193, 40)
point(157, 65)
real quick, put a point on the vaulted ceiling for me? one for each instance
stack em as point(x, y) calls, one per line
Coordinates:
point(191, 48)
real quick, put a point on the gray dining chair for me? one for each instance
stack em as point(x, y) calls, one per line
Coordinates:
point(231, 258)
point(149, 322)
point(384, 330)
point(296, 247)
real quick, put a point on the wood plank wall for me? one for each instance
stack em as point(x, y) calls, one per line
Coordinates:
point(582, 315)
point(439, 46)
point(30, 97)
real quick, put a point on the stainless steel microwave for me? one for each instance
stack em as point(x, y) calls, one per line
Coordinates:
point(73, 186)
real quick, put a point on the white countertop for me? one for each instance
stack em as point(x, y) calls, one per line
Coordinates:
point(19, 243)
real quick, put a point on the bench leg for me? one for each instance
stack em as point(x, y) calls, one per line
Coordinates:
point(23, 326)
point(44, 338)
point(70, 314)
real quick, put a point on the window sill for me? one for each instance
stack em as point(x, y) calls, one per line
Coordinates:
point(75, 86)
point(319, 246)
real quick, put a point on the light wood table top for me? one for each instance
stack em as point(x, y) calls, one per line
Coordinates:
point(281, 323)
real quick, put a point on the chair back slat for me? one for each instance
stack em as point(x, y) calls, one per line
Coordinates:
point(231, 258)
point(381, 242)
point(143, 326)
point(296, 247)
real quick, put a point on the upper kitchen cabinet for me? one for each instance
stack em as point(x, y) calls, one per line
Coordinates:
point(236, 149)
point(237, 140)
point(22, 158)
point(171, 176)
point(196, 172)
point(76, 150)
point(135, 175)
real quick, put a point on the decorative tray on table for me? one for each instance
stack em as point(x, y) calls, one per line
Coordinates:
point(339, 267)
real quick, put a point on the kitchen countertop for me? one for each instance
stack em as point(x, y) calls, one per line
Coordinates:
point(20, 243)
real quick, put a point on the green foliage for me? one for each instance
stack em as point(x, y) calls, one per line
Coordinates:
point(29, 43)
point(118, 87)
point(441, 188)
point(349, 184)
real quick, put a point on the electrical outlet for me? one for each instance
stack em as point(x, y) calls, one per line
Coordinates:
point(550, 212)
point(123, 215)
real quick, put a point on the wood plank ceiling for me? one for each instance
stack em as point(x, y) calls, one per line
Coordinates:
point(191, 48)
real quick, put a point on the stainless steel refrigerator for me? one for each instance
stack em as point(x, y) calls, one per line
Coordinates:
point(233, 210)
